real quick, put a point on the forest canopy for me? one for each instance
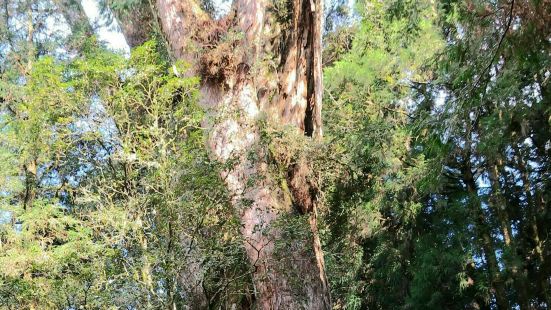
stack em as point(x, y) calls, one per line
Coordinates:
point(200, 171)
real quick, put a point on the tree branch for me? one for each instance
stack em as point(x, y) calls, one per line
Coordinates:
point(179, 20)
point(501, 39)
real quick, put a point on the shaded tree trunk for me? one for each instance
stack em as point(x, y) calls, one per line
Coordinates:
point(482, 226)
point(74, 15)
point(30, 184)
point(483, 231)
point(513, 263)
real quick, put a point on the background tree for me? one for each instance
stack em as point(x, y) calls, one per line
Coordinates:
point(468, 119)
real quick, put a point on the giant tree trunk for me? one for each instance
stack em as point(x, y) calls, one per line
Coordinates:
point(262, 60)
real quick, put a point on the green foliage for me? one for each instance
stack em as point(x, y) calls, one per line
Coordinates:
point(368, 106)
point(431, 117)
point(124, 197)
point(434, 169)
point(49, 257)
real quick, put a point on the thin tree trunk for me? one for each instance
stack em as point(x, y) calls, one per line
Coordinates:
point(532, 219)
point(499, 205)
point(482, 229)
point(30, 167)
point(30, 184)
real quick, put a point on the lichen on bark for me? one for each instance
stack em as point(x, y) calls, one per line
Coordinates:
point(262, 60)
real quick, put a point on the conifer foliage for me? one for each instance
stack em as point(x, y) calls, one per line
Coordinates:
point(146, 181)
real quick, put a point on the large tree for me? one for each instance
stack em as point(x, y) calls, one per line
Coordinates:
point(260, 66)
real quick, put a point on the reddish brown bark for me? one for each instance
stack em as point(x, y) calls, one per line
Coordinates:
point(257, 63)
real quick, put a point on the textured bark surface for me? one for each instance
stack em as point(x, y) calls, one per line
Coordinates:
point(137, 23)
point(263, 60)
